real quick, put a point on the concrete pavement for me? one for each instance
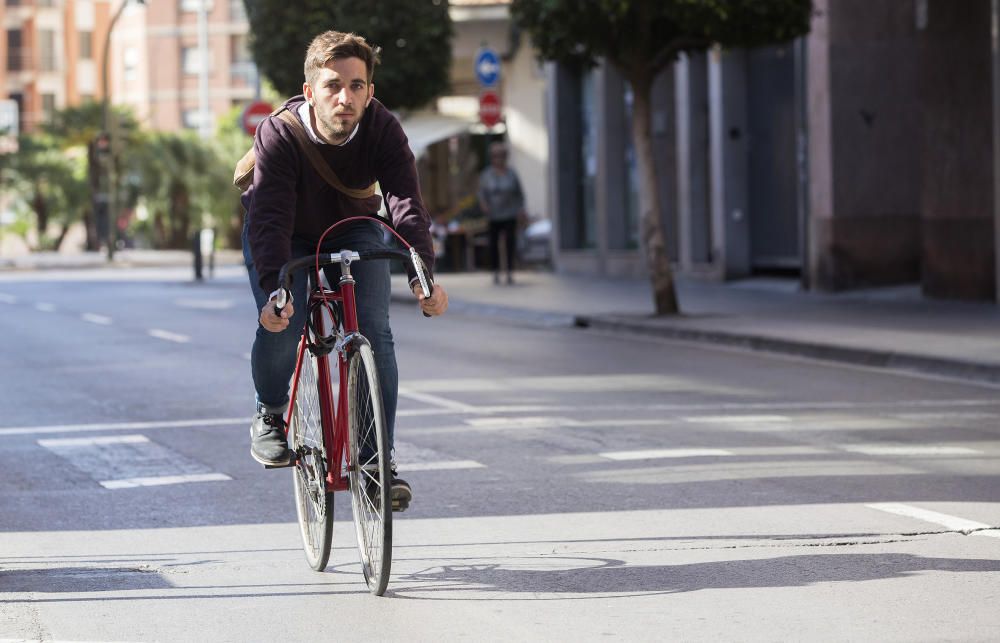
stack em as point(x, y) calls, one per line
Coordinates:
point(886, 327)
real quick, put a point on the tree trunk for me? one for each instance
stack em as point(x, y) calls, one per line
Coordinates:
point(650, 202)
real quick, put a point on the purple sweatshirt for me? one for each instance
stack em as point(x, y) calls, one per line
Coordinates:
point(288, 198)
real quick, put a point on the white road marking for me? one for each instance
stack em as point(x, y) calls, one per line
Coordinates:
point(156, 481)
point(45, 307)
point(128, 461)
point(95, 319)
point(441, 466)
point(434, 400)
point(520, 422)
point(737, 419)
point(205, 304)
point(167, 335)
point(7, 299)
point(594, 384)
point(656, 454)
point(123, 426)
point(86, 442)
point(903, 449)
point(952, 523)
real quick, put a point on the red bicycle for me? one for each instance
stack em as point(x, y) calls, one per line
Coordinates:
point(340, 441)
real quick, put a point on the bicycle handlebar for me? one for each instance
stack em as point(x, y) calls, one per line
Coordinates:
point(329, 258)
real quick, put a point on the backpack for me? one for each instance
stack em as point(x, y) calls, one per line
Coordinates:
point(243, 176)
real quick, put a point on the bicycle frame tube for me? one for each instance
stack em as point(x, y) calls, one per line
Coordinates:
point(334, 411)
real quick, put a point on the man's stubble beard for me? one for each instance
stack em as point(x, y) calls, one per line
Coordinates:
point(339, 129)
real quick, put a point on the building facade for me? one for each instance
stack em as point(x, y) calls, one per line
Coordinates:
point(183, 63)
point(52, 55)
point(861, 155)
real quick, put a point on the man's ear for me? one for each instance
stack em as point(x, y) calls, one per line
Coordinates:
point(307, 92)
point(371, 94)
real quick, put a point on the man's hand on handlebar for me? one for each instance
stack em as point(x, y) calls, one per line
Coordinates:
point(436, 304)
point(271, 321)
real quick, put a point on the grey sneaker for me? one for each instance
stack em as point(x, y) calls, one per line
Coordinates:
point(268, 444)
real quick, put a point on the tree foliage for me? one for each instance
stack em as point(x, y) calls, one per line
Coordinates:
point(640, 38)
point(49, 182)
point(648, 34)
point(180, 179)
point(415, 37)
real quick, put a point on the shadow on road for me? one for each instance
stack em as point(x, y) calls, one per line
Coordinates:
point(616, 577)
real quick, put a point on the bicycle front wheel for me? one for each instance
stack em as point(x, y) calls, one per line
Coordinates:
point(369, 471)
point(313, 503)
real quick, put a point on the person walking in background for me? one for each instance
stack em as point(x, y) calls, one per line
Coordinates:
point(502, 201)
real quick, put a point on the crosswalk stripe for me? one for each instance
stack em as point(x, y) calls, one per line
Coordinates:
point(156, 481)
point(953, 523)
point(87, 442)
point(442, 465)
point(656, 454)
point(167, 335)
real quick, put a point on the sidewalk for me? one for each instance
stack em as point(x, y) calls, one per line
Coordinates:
point(890, 327)
point(122, 259)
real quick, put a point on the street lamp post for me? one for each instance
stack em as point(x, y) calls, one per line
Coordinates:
point(106, 201)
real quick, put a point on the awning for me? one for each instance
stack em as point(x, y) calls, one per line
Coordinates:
point(424, 130)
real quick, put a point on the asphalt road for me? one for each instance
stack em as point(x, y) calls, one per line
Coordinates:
point(569, 485)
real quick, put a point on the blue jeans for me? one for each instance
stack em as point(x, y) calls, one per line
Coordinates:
point(272, 360)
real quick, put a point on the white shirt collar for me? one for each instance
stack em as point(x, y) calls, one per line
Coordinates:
point(306, 119)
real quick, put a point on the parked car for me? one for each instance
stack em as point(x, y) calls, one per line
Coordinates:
point(535, 244)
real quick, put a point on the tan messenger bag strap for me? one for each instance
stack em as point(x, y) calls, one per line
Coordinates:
point(317, 160)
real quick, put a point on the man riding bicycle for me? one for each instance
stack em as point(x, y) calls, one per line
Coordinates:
point(290, 204)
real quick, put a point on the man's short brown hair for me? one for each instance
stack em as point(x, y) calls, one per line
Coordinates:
point(331, 45)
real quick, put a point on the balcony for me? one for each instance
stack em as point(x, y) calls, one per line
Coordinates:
point(243, 74)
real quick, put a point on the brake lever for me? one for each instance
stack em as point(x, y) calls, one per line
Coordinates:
point(425, 285)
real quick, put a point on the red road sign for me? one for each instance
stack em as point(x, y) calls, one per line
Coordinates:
point(253, 114)
point(489, 108)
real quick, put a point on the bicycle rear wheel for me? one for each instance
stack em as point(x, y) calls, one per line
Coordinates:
point(369, 471)
point(313, 503)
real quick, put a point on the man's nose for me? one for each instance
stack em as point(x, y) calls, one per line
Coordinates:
point(344, 97)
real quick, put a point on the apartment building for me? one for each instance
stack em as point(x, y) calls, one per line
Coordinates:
point(51, 54)
point(160, 51)
point(54, 57)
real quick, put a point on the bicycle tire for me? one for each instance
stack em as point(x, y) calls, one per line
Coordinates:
point(369, 472)
point(313, 503)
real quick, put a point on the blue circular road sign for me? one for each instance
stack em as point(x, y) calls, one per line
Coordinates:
point(487, 67)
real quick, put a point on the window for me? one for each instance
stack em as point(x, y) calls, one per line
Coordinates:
point(86, 45)
point(191, 118)
point(130, 62)
point(191, 62)
point(237, 11)
point(47, 50)
point(243, 71)
point(195, 5)
point(15, 57)
point(48, 105)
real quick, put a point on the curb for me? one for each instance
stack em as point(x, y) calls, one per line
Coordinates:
point(914, 362)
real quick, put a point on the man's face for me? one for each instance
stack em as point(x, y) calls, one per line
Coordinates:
point(339, 97)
